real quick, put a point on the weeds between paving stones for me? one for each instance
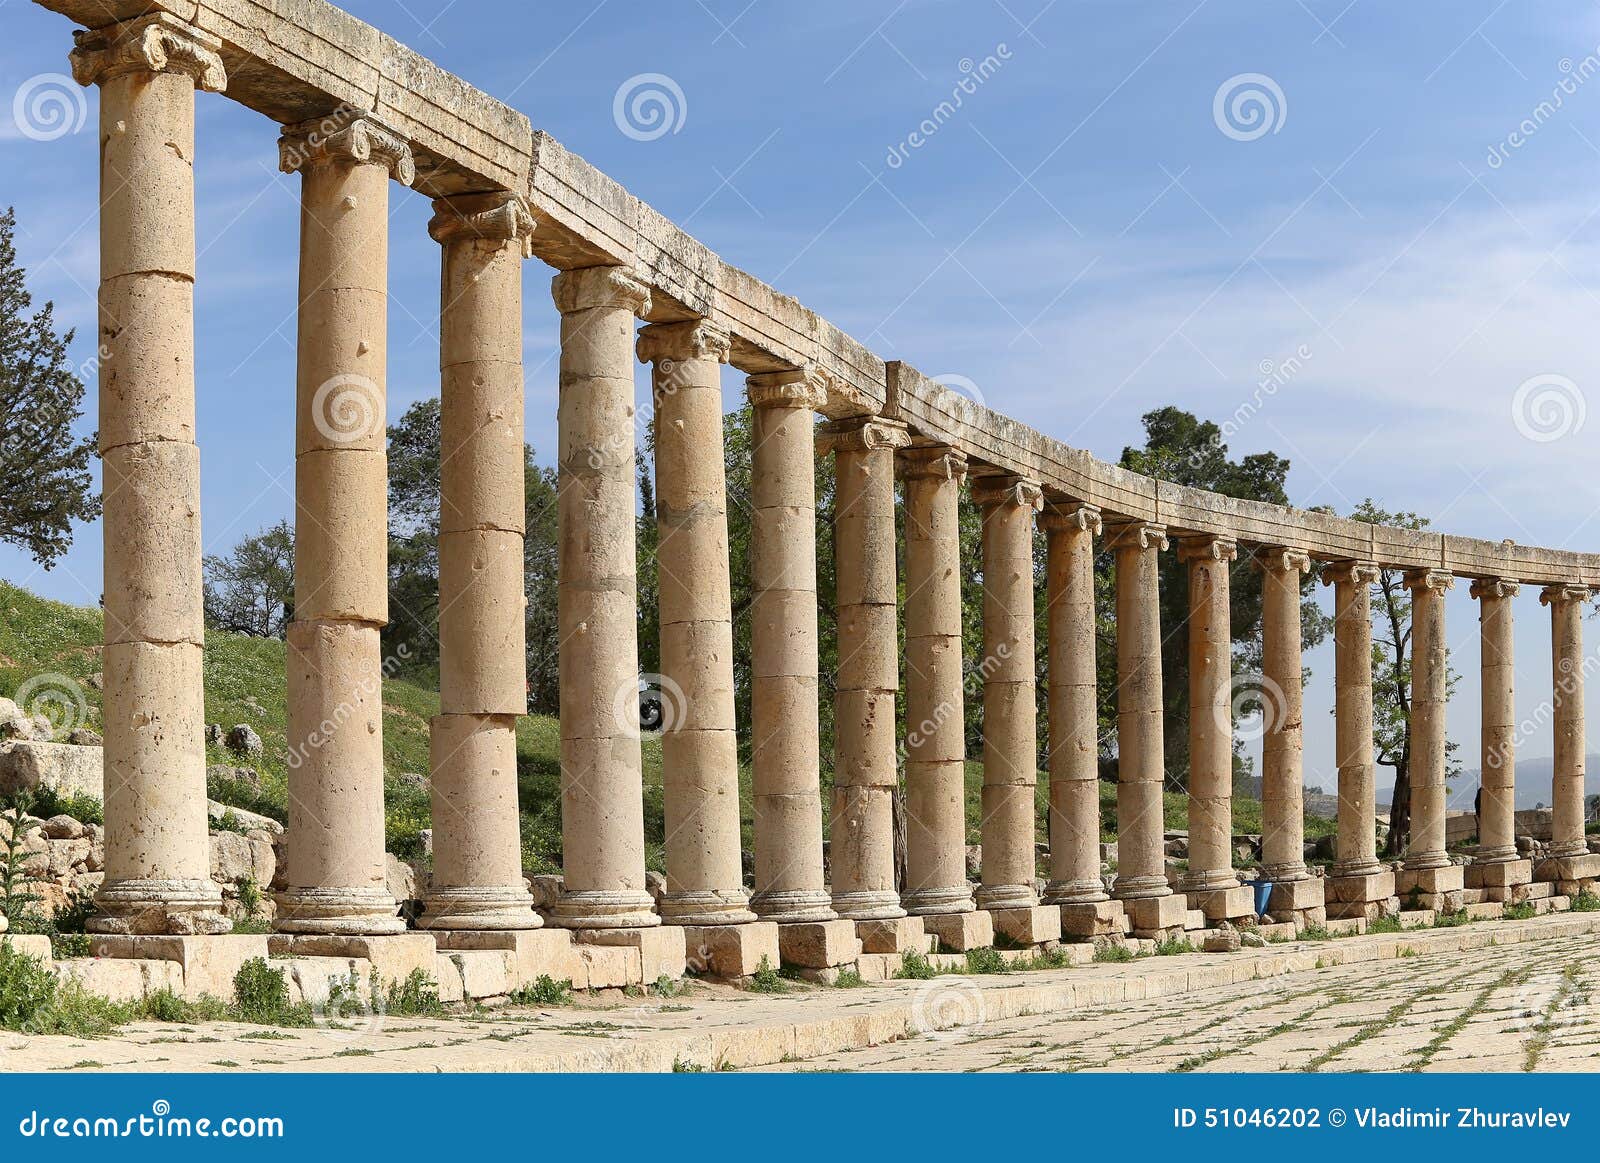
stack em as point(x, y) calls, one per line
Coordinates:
point(1455, 1025)
point(1539, 1042)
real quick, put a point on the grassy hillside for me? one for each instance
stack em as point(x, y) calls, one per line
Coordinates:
point(245, 684)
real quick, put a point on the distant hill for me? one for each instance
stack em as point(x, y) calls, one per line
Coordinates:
point(1534, 776)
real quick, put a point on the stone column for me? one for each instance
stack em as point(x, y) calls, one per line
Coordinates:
point(602, 782)
point(699, 750)
point(337, 882)
point(862, 839)
point(936, 818)
point(1010, 715)
point(1141, 761)
point(158, 858)
point(1497, 868)
point(1566, 604)
point(1358, 884)
point(477, 841)
point(1282, 710)
point(1429, 692)
point(785, 756)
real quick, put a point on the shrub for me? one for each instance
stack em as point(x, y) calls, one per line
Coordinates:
point(765, 979)
point(416, 996)
point(261, 994)
point(547, 991)
point(915, 966)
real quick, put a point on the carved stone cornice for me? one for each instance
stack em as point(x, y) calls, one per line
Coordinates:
point(992, 492)
point(1357, 572)
point(1429, 579)
point(498, 216)
point(1137, 535)
point(935, 462)
point(1494, 587)
point(158, 43)
point(1207, 547)
point(862, 434)
point(1071, 517)
point(798, 387)
point(609, 286)
point(355, 140)
point(1563, 592)
point(691, 341)
point(1280, 559)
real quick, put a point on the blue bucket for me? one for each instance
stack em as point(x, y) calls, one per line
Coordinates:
point(1263, 891)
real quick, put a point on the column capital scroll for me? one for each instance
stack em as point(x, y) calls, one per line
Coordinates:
point(932, 462)
point(1429, 579)
point(1281, 559)
point(585, 288)
point(691, 341)
point(498, 216)
point(862, 434)
point(1207, 547)
point(1071, 517)
point(1359, 572)
point(1008, 489)
point(1494, 587)
point(800, 387)
point(346, 138)
point(1137, 535)
point(1563, 592)
point(157, 43)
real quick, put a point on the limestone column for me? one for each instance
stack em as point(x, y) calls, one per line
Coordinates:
point(1074, 716)
point(1352, 638)
point(337, 881)
point(1429, 692)
point(1010, 715)
point(1283, 711)
point(477, 842)
point(1141, 770)
point(1210, 714)
point(865, 776)
point(936, 818)
point(785, 753)
point(602, 781)
point(158, 858)
point(1497, 815)
point(699, 750)
point(1566, 604)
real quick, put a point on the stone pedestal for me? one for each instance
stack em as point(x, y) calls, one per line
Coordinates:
point(157, 863)
point(663, 951)
point(1367, 897)
point(1570, 874)
point(208, 963)
point(1224, 904)
point(936, 822)
point(958, 932)
point(1295, 897)
point(532, 953)
point(1499, 880)
point(785, 760)
point(732, 951)
point(1438, 889)
point(1157, 916)
point(602, 785)
point(819, 944)
point(699, 751)
point(1091, 919)
point(1029, 926)
point(896, 935)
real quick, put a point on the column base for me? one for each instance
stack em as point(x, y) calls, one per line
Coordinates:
point(1224, 904)
point(663, 952)
point(1438, 888)
point(1129, 888)
point(178, 907)
point(1157, 916)
point(1284, 873)
point(350, 912)
point(868, 906)
point(1028, 926)
point(793, 906)
point(1363, 897)
point(705, 907)
point(995, 897)
point(958, 932)
point(600, 908)
point(1196, 883)
point(1567, 869)
point(932, 902)
point(896, 935)
point(1074, 892)
point(1086, 920)
point(1499, 875)
point(498, 907)
point(732, 951)
point(819, 944)
point(1294, 897)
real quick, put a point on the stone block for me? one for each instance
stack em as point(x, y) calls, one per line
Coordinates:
point(1291, 896)
point(448, 976)
point(1093, 919)
point(819, 944)
point(1154, 913)
point(879, 966)
point(1502, 874)
point(663, 951)
point(1224, 904)
point(1346, 926)
point(1221, 941)
point(1377, 886)
point(958, 932)
point(1280, 931)
point(311, 979)
point(394, 956)
point(207, 964)
point(898, 935)
point(1486, 911)
point(534, 953)
point(608, 966)
point(1429, 881)
point(483, 972)
point(35, 945)
point(62, 767)
point(121, 979)
point(1031, 926)
point(730, 951)
point(1568, 869)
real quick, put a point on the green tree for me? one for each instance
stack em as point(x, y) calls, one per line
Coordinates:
point(250, 590)
point(44, 467)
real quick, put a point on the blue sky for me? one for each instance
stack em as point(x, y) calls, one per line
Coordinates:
point(1080, 242)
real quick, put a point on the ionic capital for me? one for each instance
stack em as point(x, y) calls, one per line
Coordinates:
point(799, 387)
point(346, 138)
point(1563, 592)
point(933, 463)
point(862, 434)
point(692, 341)
point(498, 216)
point(1356, 572)
point(1280, 559)
point(992, 492)
point(1494, 587)
point(608, 286)
point(158, 43)
point(1071, 517)
point(1137, 535)
point(1429, 579)
point(1207, 547)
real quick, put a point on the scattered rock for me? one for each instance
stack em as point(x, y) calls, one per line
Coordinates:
point(400, 878)
point(1222, 940)
point(247, 776)
point(426, 836)
point(236, 858)
point(655, 884)
point(84, 737)
point(546, 890)
point(61, 767)
point(97, 680)
point(242, 740)
point(249, 821)
point(974, 860)
point(14, 724)
point(63, 828)
point(213, 734)
point(1253, 940)
point(412, 779)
